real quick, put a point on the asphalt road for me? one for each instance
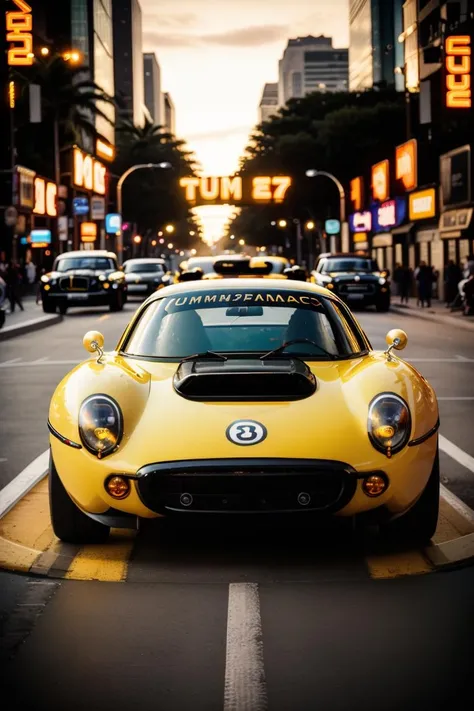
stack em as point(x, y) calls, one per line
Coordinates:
point(245, 619)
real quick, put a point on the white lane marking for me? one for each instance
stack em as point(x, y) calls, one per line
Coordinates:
point(463, 397)
point(245, 685)
point(9, 362)
point(23, 483)
point(456, 453)
point(456, 503)
point(39, 360)
point(3, 459)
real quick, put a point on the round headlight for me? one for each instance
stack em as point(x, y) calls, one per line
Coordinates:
point(389, 423)
point(382, 281)
point(100, 425)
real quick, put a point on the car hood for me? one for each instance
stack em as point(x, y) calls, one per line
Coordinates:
point(160, 425)
point(81, 272)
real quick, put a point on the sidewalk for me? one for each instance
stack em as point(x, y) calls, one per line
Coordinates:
point(31, 319)
point(437, 312)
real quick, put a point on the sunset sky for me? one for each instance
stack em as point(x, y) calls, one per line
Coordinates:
point(215, 57)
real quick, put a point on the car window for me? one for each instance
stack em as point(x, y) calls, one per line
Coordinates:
point(94, 263)
point(207, 265)
point(350, 265)
point(143, 268)
point(228, 321)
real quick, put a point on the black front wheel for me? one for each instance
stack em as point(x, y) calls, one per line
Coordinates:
point(48, 307)
point(70, 524)
point(418, 525)
point(63, 309)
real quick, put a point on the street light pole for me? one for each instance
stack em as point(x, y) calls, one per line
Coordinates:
point(342, 194)
point(120, 183)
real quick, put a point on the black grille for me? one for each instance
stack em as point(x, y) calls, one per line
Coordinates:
point(356, 288)
point(243, 486)
point(74, 283)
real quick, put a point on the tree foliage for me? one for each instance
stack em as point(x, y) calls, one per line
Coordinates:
point(342, 133)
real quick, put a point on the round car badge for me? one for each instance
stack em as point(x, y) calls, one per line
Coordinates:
point(246, 432)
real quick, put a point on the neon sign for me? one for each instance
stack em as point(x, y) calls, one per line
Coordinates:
point(380, 181)
point(89, 173)
point(45, 198)
point(389, 214)
point(236, 189)
point(406, 164)
point(422, 204)
point(19, 26)
point(458, 72)
point(357, 193)
point(360, 222)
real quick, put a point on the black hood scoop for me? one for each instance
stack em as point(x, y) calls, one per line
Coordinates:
point(238, 379)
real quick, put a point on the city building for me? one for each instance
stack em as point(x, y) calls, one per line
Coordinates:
point(153, 95)
point(374, 50)
point(170, 115)
point(128, 59)
point(269, 102)
point(311, 64)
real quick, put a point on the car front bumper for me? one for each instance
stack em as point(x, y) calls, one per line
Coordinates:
point(83, 298)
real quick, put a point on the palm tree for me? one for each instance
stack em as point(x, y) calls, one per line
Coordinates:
point(69, 99)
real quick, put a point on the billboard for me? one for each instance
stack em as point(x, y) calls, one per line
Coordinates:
point(360, 222)
point(236, 190)
point(389, 214)
point(455, 177)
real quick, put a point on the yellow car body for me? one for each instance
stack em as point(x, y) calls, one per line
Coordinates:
point(160, 426)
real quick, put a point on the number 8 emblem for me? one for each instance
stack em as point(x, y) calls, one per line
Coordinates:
point(246, 432)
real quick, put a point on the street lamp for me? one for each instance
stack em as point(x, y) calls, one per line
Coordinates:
point(342, 196)
point(120, 183)
point(310, 225)
point(169, 229)
point(170, 245)
point(137, 239)
point(282, 223)
point(241, 242)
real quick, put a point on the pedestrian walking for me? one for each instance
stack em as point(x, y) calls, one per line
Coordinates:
point(452, 277)
point(403, 277)
point(13, 280)
point(424, 277)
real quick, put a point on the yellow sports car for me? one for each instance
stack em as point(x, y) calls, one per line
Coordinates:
point(238, 396)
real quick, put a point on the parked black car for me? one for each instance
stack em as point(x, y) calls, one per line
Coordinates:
point(84, 278)
point(144, 276)
point(356, 279)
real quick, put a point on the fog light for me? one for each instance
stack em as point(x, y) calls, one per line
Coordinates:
point(118, 487)
point(46, 287)
point(374, 485)
point(106, 286)
point(329, 286)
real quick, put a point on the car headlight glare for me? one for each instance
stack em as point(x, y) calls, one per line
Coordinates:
point(382, 281)
point(45, 279)
point(100, 425)
point(389, 423)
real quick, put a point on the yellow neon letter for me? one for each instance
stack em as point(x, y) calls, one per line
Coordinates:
point(51, 192)
point(261, 189)
point(209, 188)
point(282, 184)
point(458, 45)
point(231, 188)
point(190, 184)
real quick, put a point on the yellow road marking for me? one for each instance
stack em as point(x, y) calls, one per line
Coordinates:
point(104, 317)
point(107, 562)
point(25, 532)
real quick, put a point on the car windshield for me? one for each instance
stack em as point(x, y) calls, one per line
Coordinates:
point(238, 322)
point(350, 265)
point(143, 268)
point(93, 263)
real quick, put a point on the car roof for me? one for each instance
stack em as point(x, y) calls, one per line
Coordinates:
point(145, 260)
point(87, 253)
point(344, 255)
point(239, 284)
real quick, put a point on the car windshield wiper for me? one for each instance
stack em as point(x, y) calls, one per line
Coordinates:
point(281, 348)
point(204, 354)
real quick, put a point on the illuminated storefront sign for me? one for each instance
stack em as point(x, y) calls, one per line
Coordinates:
point(357, 193)
point(380, 181)
point(458, 72)
point(113, 223)
point(406, 164)
point(19, 26)
point(24, 187)
point(235, 190)
point(104, 150)
point(422, 205)
point(360, 222)
point(390, 213)
point(88, 232)
point(332, 227)
point(89, 173)
point(45, 198)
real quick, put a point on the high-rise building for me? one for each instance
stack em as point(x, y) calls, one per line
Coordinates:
point(84, 25)
point(311, 64)
point(269, 102)
point(153, 94)
point(128, 59)
point(170, 115)
point(374, 50)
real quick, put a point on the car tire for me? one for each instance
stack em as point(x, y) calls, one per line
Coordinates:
point(69, 523)
point(63, 309)
point(418, 525)
point(47, 307)
point(117, 302)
